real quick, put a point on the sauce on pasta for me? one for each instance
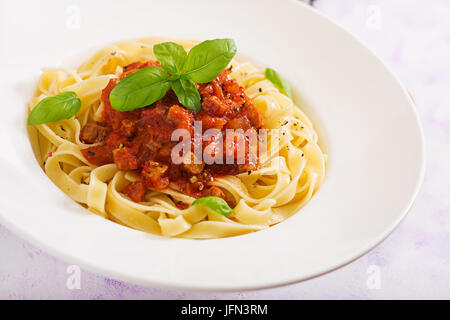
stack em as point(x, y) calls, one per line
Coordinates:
point(140, 140)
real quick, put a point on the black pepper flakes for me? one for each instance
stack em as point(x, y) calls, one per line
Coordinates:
point(91, 153)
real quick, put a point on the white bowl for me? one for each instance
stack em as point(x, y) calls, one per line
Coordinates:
point(365, 118)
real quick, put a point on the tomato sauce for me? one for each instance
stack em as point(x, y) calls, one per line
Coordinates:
point(140, 140)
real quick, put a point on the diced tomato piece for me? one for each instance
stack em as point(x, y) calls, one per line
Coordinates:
point(209, 122)
point(255, 116)
point(136, 191)
point(214, 106)
point(153, 173)
point(192, 165)
point(216, 192)
point(206, 90)
point(239, 123)
point(127, 128)
point(181, 118)
point(217, 90)
point(98, 155)
point(125, 159)
point(115, 140)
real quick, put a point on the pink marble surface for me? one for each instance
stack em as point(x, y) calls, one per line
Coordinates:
point(413, 38)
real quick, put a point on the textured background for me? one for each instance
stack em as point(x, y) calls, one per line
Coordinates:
point(413, 38)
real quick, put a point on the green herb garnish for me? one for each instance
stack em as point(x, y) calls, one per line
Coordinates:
point(206, 60)
point(62, 106)
point(139, 89)
point(171, 55)
point(180, 72)
point(216, 204)
point(278, 81)
point(187, 94)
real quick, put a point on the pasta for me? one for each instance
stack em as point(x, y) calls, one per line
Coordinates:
point(290, 172)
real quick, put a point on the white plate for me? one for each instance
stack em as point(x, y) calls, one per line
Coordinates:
point(366, 121)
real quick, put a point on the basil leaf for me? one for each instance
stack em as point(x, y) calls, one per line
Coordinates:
point(277, 80)
point(172, 56)
point(206, 60)
point(140, 89)
point(216, 204)
point(187, 94)
point(62, 106)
